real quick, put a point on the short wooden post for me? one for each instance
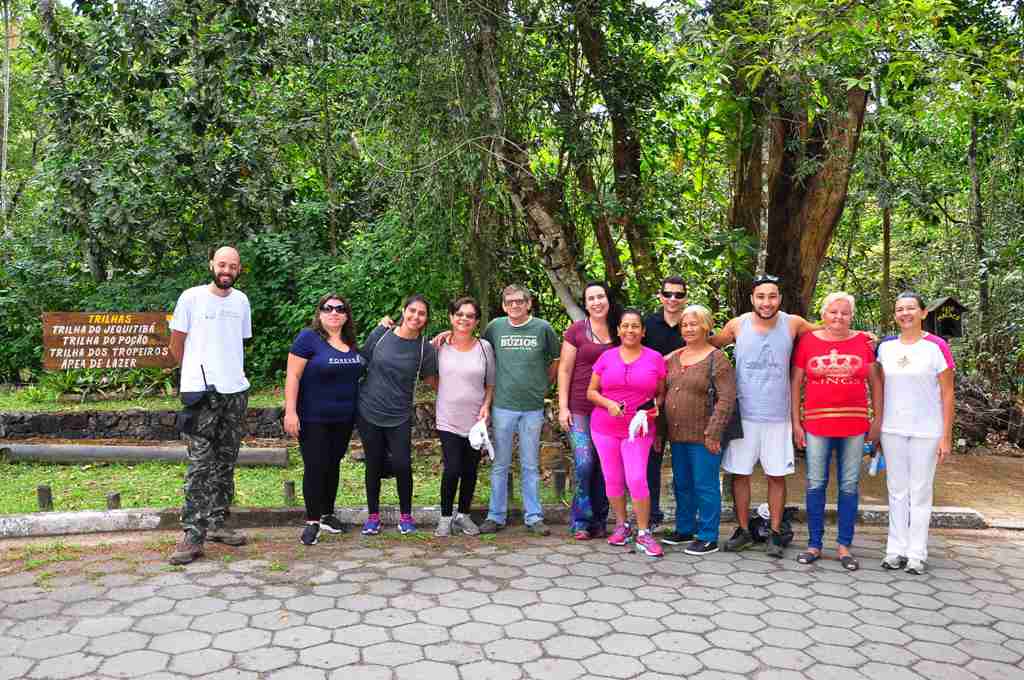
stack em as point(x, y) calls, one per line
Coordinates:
point(114, 501)
point(289, 492)
point(44, 497)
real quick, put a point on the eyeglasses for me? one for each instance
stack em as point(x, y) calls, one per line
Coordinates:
point(327, 309)
point(678, 295)
point(516, 302)
point(460, 315)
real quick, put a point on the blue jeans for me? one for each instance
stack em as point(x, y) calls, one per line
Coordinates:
point(848, 452)
point(697, 490)
point(590, 502)
point(528, 424)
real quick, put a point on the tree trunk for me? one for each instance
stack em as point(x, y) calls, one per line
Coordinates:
point(6, 117)
point(885, 200)
point(626, 161)
point(613, 271)
point(747, 188)
point(804, 209)
point(978, 227)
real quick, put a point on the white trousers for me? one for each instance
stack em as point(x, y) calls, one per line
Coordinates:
point(910, 474)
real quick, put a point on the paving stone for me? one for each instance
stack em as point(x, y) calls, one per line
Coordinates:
point(673, 641)
point(571, 647)
point(66, 666)
point(333, 618)
point(465, 599)
point(362, 603)
point(277, 620)
point(257, 605)
point(301, 637)
point(497, 614)
point(611, 665)
point(554, 669)
point(585, 627)
point(490, 670)
point(200, 663)
point(988, 651)
point(887, 654)
point(134, 664)
point(298, 673)
point(242, 640)
point(934, 670)
point(993, 670)
point(637, 625)
point(118, 643)
point(731, 639)
point(888, 671)
point(388, 618)
point(100, 626)
point(783, 637)
point(54, 645)
point(266, 659)
point(674, 664)
point(836, 655)
point(626, 644)
point(780, 657)
point(392, 653)
point(598, 610)
point(729, 661)
point(515, 598)
point(548, 612)
point(454, 652)
point(979, 633)
point(329, 655)
point(180, 642)
point(531, 630)
point(741, 622)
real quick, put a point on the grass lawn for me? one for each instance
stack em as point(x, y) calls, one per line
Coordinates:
point(158, 485)
point(20, 400)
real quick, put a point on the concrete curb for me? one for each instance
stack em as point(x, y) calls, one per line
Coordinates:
point(85, 453)
point(143, 519)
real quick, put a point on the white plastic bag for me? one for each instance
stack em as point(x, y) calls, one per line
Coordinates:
point(478, 438)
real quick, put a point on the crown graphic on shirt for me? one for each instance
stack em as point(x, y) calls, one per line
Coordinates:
point(835, 364)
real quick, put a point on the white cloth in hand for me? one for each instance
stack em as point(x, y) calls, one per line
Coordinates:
point(478, 438)
point(638, 424)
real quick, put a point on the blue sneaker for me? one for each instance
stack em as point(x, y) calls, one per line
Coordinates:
point(406, 525)
point(372, 525)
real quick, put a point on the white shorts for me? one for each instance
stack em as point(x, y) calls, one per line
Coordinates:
point(769, 443)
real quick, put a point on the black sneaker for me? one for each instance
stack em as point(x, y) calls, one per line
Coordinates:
point(676, 538)
point(332, 524)
point(489, 526)
point(311, 534)
point(774, 547)
point(740, 540)
point(701, 548)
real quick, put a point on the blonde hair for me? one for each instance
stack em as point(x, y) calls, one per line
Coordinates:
point(703, 315)
point(835, 297)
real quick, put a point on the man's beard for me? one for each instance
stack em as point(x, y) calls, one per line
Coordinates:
point(224, 286)
point(766, 318)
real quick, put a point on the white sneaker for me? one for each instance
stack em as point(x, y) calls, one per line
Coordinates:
point(444, 527)
point(915, 567)
point(894, 562)
point(465, 524)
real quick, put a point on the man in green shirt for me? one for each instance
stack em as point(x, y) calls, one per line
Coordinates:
point(526, 351)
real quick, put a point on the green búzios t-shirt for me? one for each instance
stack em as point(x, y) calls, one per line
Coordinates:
point(522, 354)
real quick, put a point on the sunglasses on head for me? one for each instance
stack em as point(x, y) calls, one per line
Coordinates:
point(327, 309)
point(678, 295)
point(765, 278)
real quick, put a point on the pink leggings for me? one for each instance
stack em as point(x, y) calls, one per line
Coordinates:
point(624, 463)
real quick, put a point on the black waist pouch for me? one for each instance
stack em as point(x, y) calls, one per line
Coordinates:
point(188, 417)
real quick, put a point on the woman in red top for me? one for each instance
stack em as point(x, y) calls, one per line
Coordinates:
point(836, 363)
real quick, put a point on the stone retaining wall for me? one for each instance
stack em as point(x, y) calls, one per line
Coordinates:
point(159, 425)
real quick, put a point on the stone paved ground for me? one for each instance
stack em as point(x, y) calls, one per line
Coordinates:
point(516, 607)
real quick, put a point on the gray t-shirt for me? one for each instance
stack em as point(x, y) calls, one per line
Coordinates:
point(463, 378)
point(386, 397)
point(762, 371)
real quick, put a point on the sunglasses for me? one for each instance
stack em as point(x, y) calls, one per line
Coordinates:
point(673, 294)
point(765, 278)
point(327, 309)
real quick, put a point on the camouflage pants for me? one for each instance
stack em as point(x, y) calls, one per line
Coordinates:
point(212, 454)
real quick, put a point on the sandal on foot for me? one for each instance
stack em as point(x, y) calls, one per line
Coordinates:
point(849, 563)
point(808, 557)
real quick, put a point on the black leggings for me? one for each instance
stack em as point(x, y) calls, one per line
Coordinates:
point(394, 443)
point(460, 466)
point(322, 445)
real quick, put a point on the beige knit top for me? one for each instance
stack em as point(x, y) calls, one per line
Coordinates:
point(686, 398)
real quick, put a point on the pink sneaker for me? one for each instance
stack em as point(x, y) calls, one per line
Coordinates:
point(649, 545)
point(620, 536)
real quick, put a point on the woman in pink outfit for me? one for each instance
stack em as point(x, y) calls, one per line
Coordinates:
point(627, 379)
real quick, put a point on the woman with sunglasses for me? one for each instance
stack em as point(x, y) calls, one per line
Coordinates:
point(397, 359)
point(464, 394)
point(320, 392)
point(584, 342)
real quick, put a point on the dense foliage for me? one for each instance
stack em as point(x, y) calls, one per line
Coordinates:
point(380, 148)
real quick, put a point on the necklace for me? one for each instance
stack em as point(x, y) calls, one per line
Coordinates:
point(593, 336)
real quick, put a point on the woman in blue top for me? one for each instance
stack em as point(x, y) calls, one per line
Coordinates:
point(320, 393)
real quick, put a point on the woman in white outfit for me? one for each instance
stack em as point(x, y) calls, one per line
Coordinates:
point(917, 429)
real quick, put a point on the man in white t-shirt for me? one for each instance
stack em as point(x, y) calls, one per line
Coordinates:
point(207, 332)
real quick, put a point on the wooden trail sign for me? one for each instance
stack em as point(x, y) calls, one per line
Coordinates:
point(106, 340)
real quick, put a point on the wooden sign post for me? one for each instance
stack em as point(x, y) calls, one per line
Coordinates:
point(106, 340)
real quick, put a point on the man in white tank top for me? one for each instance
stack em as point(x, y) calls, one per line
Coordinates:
point(764, 342)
